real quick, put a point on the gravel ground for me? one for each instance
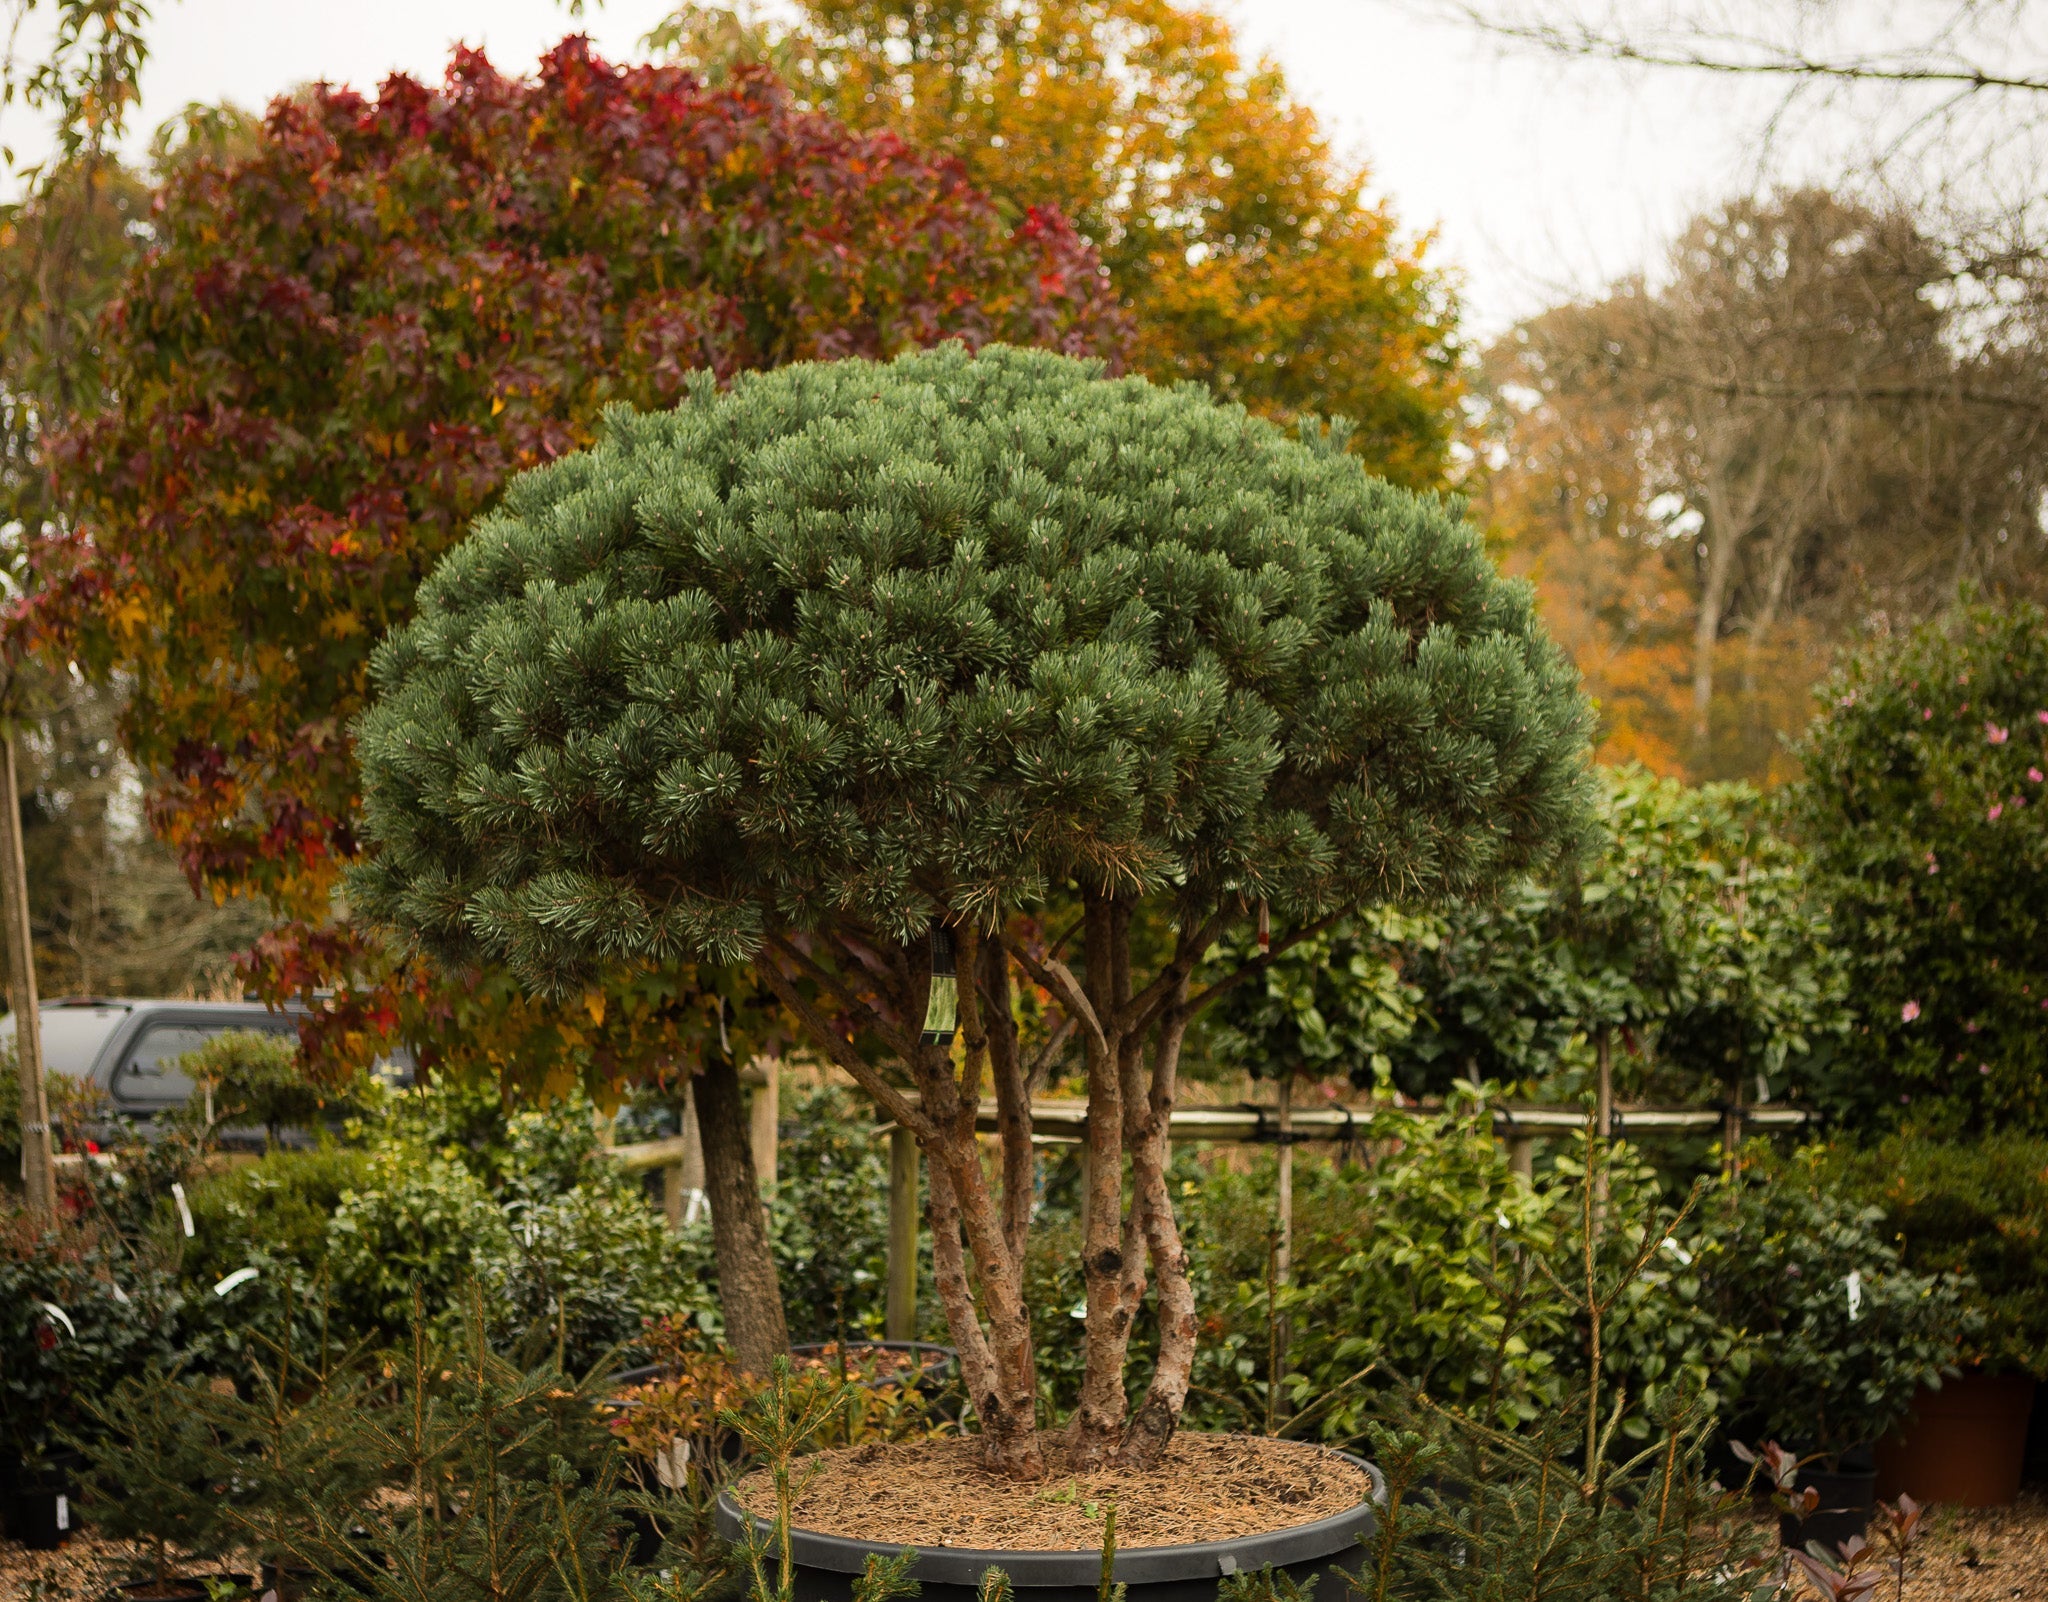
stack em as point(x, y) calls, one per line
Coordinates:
point(1991, 1555)
point(81, 1570)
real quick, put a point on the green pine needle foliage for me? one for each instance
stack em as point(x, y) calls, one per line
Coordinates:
point(879, 642)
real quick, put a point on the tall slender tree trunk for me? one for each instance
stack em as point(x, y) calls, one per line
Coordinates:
point(38, 1169)
point(747, 1287)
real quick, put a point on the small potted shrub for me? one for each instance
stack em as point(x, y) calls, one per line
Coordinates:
point(155, 1477)
point(1841, 1336)
point(912, 684)
point(1979, 1210)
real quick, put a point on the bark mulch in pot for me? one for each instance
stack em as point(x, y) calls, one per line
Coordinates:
point(936, 1493)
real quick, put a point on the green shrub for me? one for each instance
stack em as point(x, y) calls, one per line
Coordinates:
point(830, 1219)
point(1692, 931)
point(281, 1204)
point(1424, 1268)
point(1978, 1209)
point(252, 1076)
point(1841, 1335)
point(589, 1266)
point(1925, 806)
point(416, 1219)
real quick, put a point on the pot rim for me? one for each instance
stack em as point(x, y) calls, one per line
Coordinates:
point(1029, 1567)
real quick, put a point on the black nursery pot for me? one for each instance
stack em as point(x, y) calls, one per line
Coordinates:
point(41, 1501)
point(1847, 1497)
point(827, 1565)
point(190, 1588)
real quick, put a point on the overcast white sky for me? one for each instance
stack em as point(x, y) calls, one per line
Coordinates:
point(1538, 178)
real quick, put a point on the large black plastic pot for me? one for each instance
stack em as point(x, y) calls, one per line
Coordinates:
point(1847, 1498)
point(827, 1565)
point(40, 1510)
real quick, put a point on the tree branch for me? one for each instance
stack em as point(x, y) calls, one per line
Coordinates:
point(1261, 963)
point(1055, 976)
point(886, 1096)
point(889, 1035)
point(1746, 55)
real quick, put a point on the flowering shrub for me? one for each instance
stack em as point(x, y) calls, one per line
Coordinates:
point(1925, 807)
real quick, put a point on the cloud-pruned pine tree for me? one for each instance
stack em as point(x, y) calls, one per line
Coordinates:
point(843, 655)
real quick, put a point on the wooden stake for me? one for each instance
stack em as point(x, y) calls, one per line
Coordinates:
point(899, 1321)
point(38, 1169)
point(683, 1179)
point(1283, 1250)
point(764, 1115)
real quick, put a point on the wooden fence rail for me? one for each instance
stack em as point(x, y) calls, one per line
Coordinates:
point(1065, 1122)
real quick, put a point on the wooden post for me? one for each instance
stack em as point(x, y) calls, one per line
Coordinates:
point(1283, 1249)
point(38, 1170)
point(684, 1178)
point(763, 1114)
point(1522, 1155)
point(899, 1322)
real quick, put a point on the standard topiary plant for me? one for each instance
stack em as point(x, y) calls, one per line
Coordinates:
point(841, 669)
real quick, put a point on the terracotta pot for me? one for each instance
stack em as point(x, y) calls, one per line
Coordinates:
point(1964, 1445)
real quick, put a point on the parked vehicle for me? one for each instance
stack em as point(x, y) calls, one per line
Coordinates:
point(129, 1047)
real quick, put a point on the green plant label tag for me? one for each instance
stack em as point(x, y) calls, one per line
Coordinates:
point(942, 1009)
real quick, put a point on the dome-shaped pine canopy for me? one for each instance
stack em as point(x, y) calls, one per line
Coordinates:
point(889, 642)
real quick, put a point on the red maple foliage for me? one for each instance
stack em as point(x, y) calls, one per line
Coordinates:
point(348, 332)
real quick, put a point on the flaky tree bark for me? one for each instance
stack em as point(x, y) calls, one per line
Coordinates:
point(993, 1335)
point(1013, 1103)
point(1158, 1416)
point(747, 1287)
point(1008, 1406)
point(1096, 1429)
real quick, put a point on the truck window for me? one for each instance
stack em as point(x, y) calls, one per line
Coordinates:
point(150, 1072)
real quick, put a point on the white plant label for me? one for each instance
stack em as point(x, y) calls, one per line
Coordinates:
point(234, 1281)
point(61, 1317)
point(1673, 1249)
point(184, 1209)
point(1855, 1285)
point(63, 1511)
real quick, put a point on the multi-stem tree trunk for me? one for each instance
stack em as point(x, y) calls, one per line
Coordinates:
point(747, 1287)
point(994, 1337)
point(1158, 1416)
point(1107, 1260)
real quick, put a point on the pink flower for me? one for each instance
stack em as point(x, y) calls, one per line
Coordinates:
point(1983, 1067)
point(1995, 734)
point(1996, 811)
point(2034, 774)
point(1927, 714)
point(2041, 717)
point(1909, 1012)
